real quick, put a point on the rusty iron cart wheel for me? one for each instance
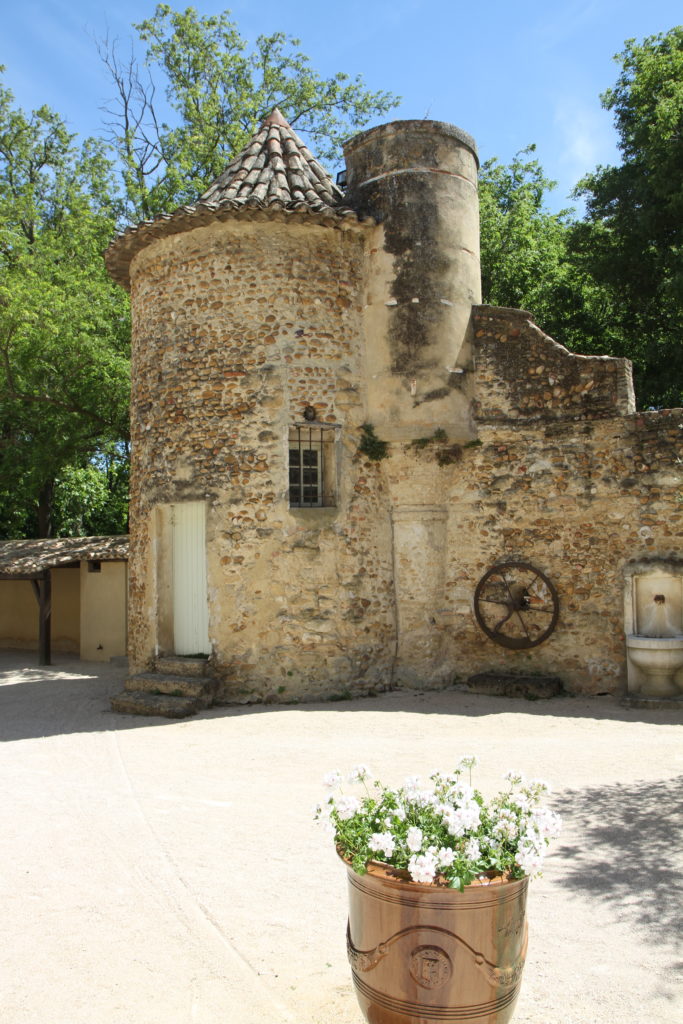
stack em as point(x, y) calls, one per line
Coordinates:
point(516, 605)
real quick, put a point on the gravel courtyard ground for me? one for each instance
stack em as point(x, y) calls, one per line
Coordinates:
point(158, 872)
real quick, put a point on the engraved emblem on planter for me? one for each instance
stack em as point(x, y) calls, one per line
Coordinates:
point(430, 966)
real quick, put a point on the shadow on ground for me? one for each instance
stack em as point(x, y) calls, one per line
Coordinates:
point(73, 696)
point(625, 852)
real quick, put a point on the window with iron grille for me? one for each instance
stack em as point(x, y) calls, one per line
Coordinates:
point(311, 467)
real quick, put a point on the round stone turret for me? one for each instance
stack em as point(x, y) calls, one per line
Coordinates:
point(418, 180)
point(252, 539)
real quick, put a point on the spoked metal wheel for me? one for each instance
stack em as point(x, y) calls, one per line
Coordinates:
point(516, 605)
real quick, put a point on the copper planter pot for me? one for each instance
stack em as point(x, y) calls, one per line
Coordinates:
point(421, 954)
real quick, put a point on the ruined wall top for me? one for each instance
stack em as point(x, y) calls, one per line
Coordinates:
point(522, 373)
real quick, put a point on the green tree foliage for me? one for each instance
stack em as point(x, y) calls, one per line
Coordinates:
point(64, 327)
point(630, 243)
point(525, 258)
point(218, 91)
point(523, 245)
point(92, 500)
point(611, 282)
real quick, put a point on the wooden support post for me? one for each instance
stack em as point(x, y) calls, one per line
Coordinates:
point(43, 591)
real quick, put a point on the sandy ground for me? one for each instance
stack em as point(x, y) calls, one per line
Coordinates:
point(156, 871)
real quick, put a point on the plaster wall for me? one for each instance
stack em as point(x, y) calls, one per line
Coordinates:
point(19, 613)
point(103, 601)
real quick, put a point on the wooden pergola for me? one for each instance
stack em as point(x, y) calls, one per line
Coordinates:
point(34, 560)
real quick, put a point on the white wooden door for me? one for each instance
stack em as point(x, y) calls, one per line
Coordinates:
point(190, 604)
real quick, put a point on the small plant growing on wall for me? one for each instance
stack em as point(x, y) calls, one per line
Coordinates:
point(438, 437)
point(444, 453)
point(370, 445)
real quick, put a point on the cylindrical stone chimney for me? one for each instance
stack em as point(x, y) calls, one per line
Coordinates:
point(418, 180)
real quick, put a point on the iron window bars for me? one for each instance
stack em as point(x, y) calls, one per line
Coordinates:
point(310, 450)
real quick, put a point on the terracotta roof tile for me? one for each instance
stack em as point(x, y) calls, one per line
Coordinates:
point(276, 164)
point(274, 173)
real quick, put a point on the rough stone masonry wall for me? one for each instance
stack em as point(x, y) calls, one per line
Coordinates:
point(522, 373)
point(237, 327)
point(561, 483)
point(552, 479)
point(578, 501)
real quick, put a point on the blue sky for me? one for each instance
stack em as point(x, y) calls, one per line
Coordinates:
point(510, 74)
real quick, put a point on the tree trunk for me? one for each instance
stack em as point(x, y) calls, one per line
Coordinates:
point(42, 588)
point(45, 509)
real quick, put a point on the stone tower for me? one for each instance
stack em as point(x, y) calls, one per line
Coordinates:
point(255, 536)
point(333, 441)
point(418, 180)
point(270, 322)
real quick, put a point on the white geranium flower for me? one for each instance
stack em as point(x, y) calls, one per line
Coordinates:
point(346, 807)
point(514, 778)
point(546, 823)
point(529, 858)
point(453, 823)
point(461, 793)
point(414, 839)
point(506, 826)
point(445, 857)
point(422, 868)
point(453, 834)
point(472, 849)
point(424, 798)
point(382, 842)
point(412, 786)
point(540, 787)
point(468, 761)
point(465, 818)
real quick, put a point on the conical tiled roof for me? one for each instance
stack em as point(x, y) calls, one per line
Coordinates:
point(274, 175)
point(276, 167)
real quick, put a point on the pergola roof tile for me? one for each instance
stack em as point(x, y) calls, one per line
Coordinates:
point(32, 557)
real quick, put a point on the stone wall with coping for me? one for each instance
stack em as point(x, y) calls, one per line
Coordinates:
point(579, 504)
point(578, 489)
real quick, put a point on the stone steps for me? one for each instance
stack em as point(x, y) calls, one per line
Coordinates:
point(197, 667)
point(170, 685)
point(141, 702)
point(179, 687)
